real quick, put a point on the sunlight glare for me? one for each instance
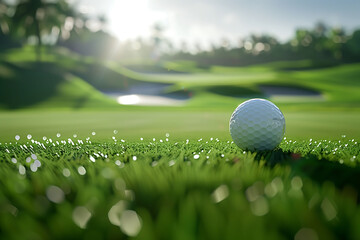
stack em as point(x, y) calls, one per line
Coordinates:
point(129, 99)
point(130, 19)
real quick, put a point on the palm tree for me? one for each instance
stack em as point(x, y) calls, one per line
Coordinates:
point(38, 17)
point(4, 18)
point(6, 41)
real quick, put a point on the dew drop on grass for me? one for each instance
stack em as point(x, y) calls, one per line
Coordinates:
point(119, 163)
point(22, 170)
point(13, 160)
point(17, 137)
point(81, 170)
point(92, 158)
point(115, 212)
point(29, 136)
point(55, 194)
point(66, 172)
point(115, 131)
point(58, 135)
point(93, 133)
point(220, 193)
point(260, 206)
point(130, 223)
point(37, 163)
point(172, 163)
point(33, 167)
point(252, 193)
point(196, 156)
point(270, 190)
point(328, 209)
point(134, 158)
point(81, 215)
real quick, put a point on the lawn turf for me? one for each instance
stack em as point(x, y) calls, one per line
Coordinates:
point(132, 124)
point(95, 178)
point(63, 188)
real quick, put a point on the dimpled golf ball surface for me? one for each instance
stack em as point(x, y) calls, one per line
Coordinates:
point(257, 124)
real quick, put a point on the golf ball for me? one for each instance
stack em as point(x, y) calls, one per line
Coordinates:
point(257, 124)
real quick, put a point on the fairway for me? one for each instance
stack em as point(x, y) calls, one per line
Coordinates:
point(186, 124)
point(115, 120)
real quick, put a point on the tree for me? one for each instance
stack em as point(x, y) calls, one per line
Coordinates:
point(5, 40)
point(39, 17)
point(352, 47)
point(4, 18)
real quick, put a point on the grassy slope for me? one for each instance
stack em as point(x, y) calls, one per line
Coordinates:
point(29, 84)
point(214, 98)
point(338, 84)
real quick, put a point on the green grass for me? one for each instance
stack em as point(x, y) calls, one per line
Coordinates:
point(185, 179)
point(45, 85)
point(338, 84)
point(197, 189)
point(131, 124)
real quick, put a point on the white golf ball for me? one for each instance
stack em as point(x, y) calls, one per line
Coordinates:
point(257, 124)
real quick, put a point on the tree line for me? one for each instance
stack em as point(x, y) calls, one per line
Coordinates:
point(322, 44)
point(57, 23)
point(42, 23)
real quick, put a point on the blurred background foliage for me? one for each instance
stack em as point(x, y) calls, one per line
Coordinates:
point(55, 57)
point(57, 23)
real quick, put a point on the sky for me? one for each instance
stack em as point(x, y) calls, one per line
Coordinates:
point(209, 21)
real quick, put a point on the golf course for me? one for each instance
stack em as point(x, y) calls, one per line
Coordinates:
point(76, 164)
point(66, 90)
point(127, 120)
